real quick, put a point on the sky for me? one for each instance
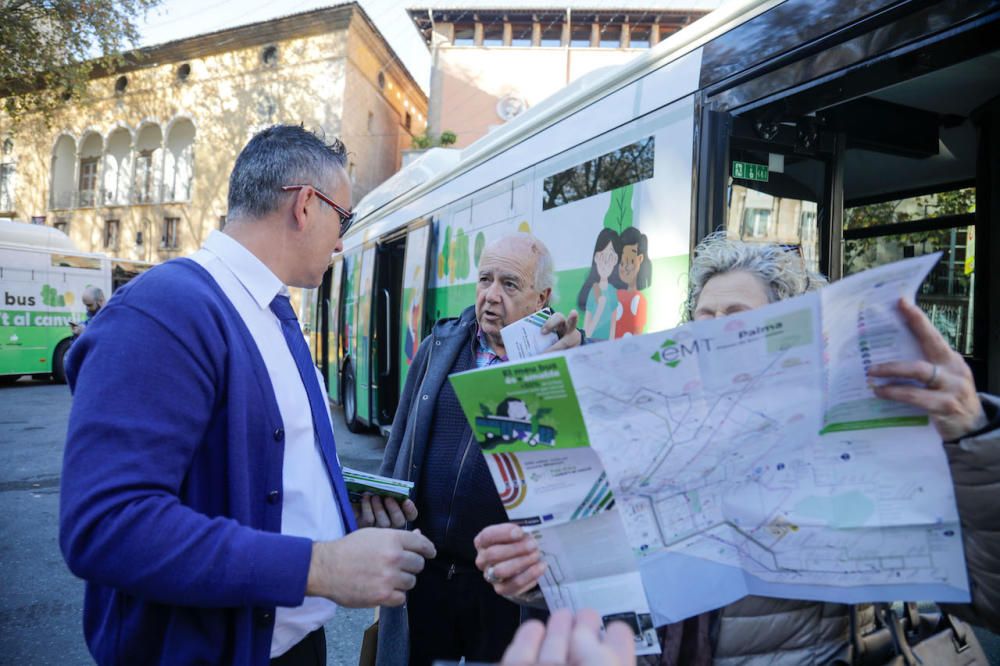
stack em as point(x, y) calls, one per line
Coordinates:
point(176, 19)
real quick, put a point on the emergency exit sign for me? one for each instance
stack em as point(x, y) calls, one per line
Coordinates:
point(750, 171)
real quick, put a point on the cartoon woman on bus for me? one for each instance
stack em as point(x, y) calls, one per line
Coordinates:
point(636, 272)
point(598, 296)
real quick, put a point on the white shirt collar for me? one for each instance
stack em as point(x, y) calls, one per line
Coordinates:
point(259, 281)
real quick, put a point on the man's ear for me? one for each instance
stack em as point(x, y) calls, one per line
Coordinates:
point(300, 207)
point(544, 297)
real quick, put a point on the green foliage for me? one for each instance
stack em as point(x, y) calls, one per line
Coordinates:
point(480, 246)
point(52, 298)
point(428, 140)
point(445, 251)
point(51, 47)
point(460, 255)
point(619, 215)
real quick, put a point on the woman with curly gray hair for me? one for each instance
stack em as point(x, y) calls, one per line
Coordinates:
point(729, 276)
point(727, 263)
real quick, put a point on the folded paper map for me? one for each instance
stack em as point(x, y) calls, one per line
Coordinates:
point(672, 473)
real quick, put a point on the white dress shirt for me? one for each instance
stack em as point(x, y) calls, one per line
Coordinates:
point(308, 506)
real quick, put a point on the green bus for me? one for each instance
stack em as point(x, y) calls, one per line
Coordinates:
point(43, 276)
point(856, 133)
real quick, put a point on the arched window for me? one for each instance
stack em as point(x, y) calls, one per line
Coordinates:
point(63, 167)
point(8, 171)
point(178, 167)
point(87, 177)
point(148, 164)
point(117, 166)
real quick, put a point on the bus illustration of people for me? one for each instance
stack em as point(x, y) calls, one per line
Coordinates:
point(598, 297)
point(636, 272)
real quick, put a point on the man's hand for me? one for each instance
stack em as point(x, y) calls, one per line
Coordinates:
point(509, 559)
point(949, 392)
point(77, 328)
point(572, 642)
point(565, 328)
point(375, 511)
point(370, 567)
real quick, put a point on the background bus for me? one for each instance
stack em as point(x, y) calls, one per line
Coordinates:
point(857, 133)
point(43, 277)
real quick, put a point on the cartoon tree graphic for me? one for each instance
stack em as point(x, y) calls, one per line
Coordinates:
point(460, 255)
point(443, 267)
point(619, 215)
point(480, 246)
point(51, 297)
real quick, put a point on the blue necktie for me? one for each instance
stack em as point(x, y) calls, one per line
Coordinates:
point(281, 307)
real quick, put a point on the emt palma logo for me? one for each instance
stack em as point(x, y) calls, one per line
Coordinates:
point(672, 352)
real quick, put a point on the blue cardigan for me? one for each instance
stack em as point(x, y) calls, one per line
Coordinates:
point(171, 486)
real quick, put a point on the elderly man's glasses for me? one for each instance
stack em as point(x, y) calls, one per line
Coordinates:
point(346, 216)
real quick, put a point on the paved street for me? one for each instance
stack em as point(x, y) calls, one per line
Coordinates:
point(41, 607)
point(42, 603)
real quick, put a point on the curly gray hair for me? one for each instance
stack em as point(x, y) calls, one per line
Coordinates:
point(783, 272)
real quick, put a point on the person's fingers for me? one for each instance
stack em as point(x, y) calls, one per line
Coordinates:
point(933, 402)
point(619, 638)
point(396, 598)
point(931, 341)
point(505, 551)
point(416, 542)
point(381, 517)
point(522, 582)
point(572, 319)
point(411, 562)
point(404, 581)
point(498, 534)
point(589, 618)
point(568, 341)
point(920, 371)
point(555, 324)
point(555, 645)
point(396, 518)
point(524, 648)
point(409, 510)
point(367, 517)
point(510, 568)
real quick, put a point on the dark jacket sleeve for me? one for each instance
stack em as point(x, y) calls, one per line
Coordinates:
point(399, 422)
point(975, 470)
point(144, 398)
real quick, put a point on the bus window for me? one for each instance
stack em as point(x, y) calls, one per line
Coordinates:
point(886, 231)
point(333, 350)
point(774, 196)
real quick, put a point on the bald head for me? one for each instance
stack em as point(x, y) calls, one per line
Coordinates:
point(93, 299)
point(529, 247)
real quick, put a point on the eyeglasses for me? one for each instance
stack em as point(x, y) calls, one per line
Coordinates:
point(346, 217)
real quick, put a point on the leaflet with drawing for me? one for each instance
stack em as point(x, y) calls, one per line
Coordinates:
point(672, 473)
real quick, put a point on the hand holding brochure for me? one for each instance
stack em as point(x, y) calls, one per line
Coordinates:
point(359, 483)
point(524, 338)
point(669, 474)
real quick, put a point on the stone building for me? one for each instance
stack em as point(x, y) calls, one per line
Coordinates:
point(492, 60)
point(140, 168)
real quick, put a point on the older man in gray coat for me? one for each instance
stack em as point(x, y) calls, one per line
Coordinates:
point(452, 612)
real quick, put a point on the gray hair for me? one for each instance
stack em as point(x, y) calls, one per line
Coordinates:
point(277, 156)
point(782, 271)
point(524, 242)
point(96, 293)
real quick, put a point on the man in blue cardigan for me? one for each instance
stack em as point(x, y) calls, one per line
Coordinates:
point(202, 500)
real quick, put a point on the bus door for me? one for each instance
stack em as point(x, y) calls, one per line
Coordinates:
point(890, 146)
point(331, 298)
point(386, 299)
